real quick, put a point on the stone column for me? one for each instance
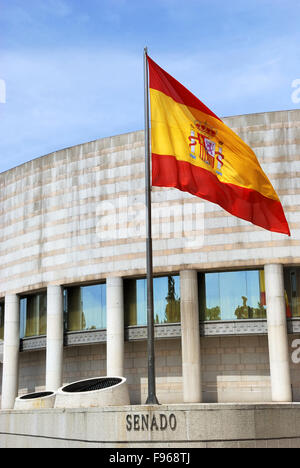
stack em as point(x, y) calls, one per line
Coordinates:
point(190, 330)
point(115, 326)
point(55, 338)
point(10, 380)
point(277, 334)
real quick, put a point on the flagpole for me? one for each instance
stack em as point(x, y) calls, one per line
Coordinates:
point(152, 399)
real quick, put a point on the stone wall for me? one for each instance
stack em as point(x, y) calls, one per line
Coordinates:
point(58, 213)
point(234, 369)
point(166, 426)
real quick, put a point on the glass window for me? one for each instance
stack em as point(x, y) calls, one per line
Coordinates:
point(166, 292)
point(292, 291)
point(85, 307)
point(232, 295)
point(1, 320)
point(33, 315)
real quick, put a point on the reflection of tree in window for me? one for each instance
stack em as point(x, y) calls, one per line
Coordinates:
point(244, 311)
point(172, 313)
point(214, 313)
point(165, 298)
point(261, 311)
point(247, 312)
point(232, 295)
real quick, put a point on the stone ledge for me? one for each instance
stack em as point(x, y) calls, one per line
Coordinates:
point(190, 425)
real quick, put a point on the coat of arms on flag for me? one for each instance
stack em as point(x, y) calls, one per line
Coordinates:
point(201, 146)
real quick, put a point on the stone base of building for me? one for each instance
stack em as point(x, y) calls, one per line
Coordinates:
point(167, 426)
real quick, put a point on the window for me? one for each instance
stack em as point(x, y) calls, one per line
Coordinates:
point(1, 320)
point(233, 295)
point(166, 291)
point(33, 315)
point(85, 307)
point(292, 291)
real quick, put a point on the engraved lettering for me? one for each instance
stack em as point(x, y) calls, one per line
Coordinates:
point(136, 420)
point(173, 422)
point(163, 422)
point(145, 422)
point(154, 424)
point(129, 422)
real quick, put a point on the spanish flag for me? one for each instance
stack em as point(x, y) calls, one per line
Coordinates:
point(194, 151)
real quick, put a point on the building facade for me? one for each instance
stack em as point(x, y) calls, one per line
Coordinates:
point(73, 265)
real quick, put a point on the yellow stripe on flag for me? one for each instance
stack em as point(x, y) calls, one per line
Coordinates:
point(171, 127)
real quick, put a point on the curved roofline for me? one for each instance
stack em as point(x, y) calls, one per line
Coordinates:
point(134, 132)
point(71, 147)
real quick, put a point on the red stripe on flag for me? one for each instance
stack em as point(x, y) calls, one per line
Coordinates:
point(238, 201)
point(160, 80)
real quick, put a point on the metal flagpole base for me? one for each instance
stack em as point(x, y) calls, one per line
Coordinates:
point(152, 400)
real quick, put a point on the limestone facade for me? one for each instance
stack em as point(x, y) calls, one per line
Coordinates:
point(77, 217)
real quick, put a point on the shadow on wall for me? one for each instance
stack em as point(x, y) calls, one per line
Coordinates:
point(168, 371)
point(32, 372)
point(234, 369)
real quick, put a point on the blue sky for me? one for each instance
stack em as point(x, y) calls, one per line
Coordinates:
point(73, 69)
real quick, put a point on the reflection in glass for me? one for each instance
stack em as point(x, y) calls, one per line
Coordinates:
point(2, 320)
point(292, 291)
point(233, 295)
point(33, 315)
point(166, 291)
point(85, 307)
